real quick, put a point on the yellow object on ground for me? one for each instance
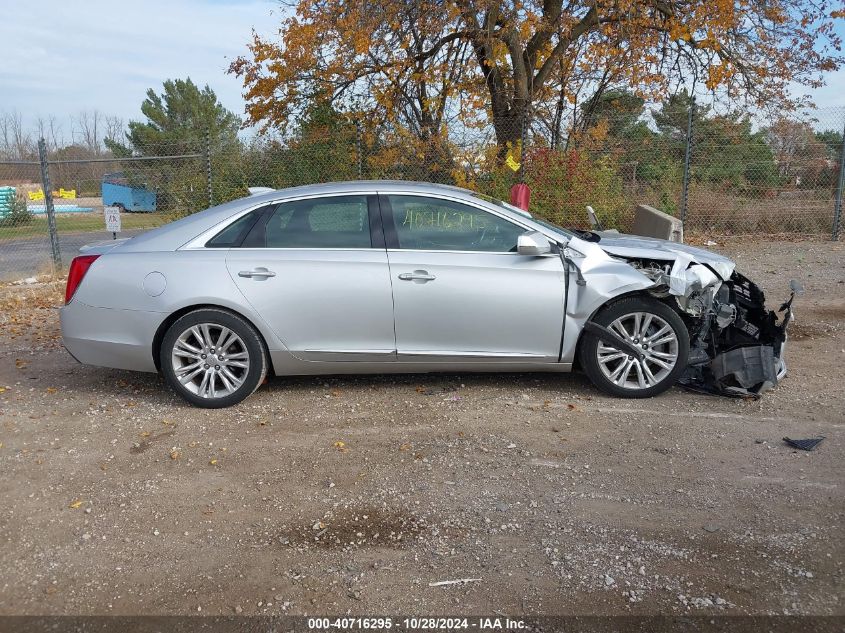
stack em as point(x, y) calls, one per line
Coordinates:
point(65, 194)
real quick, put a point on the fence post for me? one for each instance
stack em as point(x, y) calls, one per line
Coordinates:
point(208, 167)
point(48, 205)
point(837, 208)
point(687, 155)
point(359, 149)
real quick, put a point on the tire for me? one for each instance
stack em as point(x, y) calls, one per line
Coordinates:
point(606, 367)
point(225, 379)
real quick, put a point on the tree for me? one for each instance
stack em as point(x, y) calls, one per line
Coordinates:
point(527, 53)
point(177, 122)
point(15, 141)
point(725, 148)
point(803, 156)
point(383, 63)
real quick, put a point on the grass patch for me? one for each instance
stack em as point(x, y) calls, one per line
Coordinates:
point(81, 223)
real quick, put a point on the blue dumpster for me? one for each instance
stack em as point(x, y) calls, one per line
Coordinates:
point(117, 192)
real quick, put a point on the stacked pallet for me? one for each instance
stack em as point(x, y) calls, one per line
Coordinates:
point(7, 199)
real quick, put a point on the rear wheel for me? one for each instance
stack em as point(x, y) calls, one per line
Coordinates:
point(654, 329)
point(213, 358)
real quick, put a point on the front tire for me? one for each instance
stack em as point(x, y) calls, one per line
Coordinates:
point(213, 358)
point(649, 325)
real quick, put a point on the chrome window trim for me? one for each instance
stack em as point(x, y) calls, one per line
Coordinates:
point(199, 242)
point(302, 248)
point(453, 252)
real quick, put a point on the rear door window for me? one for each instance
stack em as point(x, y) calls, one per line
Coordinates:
point(331, 222)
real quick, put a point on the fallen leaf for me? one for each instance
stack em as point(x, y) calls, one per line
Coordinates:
point(212, 462)
point(2, 389)
point(75, 504)
point(405, 447)
point(175, 453)
point(51, 390)
point(336, 393)
point(573, 407)
point(341, 446)
point(145, 434)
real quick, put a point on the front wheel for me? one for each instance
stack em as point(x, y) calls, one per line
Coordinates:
point(213, 358)
point(650, 326)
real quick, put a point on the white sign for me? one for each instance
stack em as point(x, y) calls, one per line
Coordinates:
point(112, 219)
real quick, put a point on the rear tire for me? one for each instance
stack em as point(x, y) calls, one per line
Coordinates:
point(650, 326)
point(213, 358)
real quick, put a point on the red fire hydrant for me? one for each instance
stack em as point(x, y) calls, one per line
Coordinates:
point(521, 196)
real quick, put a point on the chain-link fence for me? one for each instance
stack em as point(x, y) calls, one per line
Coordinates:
point(50, 208)
point(723, 174)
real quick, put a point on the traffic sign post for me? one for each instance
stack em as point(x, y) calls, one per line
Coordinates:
point(112, 215)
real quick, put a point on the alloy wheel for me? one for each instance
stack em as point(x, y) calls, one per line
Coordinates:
point(210, 360)
point(657, 341)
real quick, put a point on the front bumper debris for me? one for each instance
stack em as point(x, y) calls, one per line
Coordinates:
point(737, 345)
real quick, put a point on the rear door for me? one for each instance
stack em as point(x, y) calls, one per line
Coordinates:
point(461, 292)
point(316, 270)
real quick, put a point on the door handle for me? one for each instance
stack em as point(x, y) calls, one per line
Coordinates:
point(417, 275)
point(259, 273)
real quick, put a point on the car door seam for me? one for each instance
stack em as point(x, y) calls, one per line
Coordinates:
point(389, 274)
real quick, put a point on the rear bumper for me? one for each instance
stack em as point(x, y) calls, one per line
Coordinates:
point(121, 339)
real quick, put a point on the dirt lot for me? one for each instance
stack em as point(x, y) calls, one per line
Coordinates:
point(336, 495)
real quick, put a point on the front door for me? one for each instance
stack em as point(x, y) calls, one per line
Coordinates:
point(461, 292)
point(311, 270)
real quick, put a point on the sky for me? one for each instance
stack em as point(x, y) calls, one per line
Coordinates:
point(60, 57)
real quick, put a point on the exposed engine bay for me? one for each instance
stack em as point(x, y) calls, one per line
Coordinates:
point(736, 343)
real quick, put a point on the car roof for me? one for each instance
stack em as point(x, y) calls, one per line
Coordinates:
point(175, 234)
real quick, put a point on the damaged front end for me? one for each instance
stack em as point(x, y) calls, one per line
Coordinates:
point(736, 344)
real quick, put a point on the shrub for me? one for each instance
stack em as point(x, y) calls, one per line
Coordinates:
point(19, 214)
point(564, 183)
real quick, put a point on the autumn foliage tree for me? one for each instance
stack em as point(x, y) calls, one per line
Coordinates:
point(429, 63)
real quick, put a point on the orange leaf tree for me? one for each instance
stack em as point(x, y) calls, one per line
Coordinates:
point(423, 63)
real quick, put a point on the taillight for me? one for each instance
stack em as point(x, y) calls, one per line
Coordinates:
point(78, 267)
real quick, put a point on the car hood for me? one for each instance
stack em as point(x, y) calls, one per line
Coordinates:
point(636, 246)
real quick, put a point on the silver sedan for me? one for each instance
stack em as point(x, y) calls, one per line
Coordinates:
point(388, 277)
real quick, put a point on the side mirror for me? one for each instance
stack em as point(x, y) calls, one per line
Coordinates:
point(533, 243)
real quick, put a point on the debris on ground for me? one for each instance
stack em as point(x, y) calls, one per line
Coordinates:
point(458, 581)
point(804, 445)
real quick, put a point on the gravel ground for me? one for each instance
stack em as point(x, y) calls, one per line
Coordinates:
point(353, 494)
